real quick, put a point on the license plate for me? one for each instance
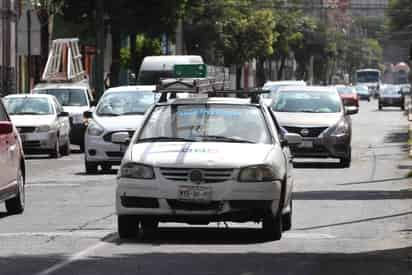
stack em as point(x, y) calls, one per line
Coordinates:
point(195, 193)
point(306, 144)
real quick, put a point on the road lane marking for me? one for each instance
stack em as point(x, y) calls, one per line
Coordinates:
point(82, 233)
point(78, 256)
point(31, 185)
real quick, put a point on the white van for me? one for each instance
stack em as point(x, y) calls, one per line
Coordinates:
point(76, 98)
point(154, 68)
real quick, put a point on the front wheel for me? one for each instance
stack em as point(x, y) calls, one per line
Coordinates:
point(272, 227)
point(346, 161)
point(56, 151)
point(380, 106)
point(90, 167)
point(66, 149)
point(287, 219)
point(127, 226)
point(16, 204)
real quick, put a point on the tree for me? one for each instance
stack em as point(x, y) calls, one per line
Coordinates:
point(399, 13)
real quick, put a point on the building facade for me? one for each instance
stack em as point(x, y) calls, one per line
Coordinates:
point(8, 46)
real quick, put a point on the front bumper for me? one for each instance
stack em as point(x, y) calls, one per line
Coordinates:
point(230, 200)
point(396, 102)
point(100, 151)
point(33, 142)
point(323, 147)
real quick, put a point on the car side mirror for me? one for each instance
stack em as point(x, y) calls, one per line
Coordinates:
point(121, 138)
point(64, 114)
point(351, 111)
point(6, 128)
point(88, 114)
point(292, 139)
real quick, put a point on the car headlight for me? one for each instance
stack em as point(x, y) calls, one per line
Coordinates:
point(43, 128)
point(341, 129)
point(258, 173)
point(94, 129)
point(136, 171)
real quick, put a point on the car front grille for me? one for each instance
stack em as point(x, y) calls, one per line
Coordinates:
point(24, 130)
point(311, 131)
point(31, 144)
point(108, 137)
point(209, 175)
point(192, 206)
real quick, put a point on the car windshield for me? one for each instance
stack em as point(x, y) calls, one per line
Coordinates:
point(391, 90)
point(67, 97)
point(273, 88)
point(28, 106)
point(344, 90)
point(361, 89)
point(367, 76)
point(207, 123)
point(125, 103)
point(307, 101)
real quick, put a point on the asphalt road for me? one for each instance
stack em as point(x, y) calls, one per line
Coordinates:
point(346, 221)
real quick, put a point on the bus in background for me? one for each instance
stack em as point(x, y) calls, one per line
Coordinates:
point(370, 78)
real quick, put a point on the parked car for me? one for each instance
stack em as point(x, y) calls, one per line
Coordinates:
point(363, 92)
point(318, 115)
point(273, 87)
point(120, 110)
point(43, 125)
point(75, 98)
point(196, 161)
point(12, 165)
point(391, 96)
point(349, 96)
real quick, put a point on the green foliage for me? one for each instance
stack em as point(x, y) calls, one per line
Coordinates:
point(400, 14)
point(144, 46)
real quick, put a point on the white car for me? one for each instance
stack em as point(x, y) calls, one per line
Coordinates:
point(121, 110)
point(43, 125)
point(202, 160)
point(273, 87)
point(75, 98)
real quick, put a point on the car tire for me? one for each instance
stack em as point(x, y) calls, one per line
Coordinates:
point(287, 219)
point(82, 147)
point(272, 227)
point(380, 106)
point(66, 149)
point(403, 107)
point(16, 205)
point(56, 151)
point(346, 161)
point(90, 167)
point(127, 226)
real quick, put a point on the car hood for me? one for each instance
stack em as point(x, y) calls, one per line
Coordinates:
point(32, 120)
point(308, 119)
point(201, 154)
point(75, 110)
point(118, 123)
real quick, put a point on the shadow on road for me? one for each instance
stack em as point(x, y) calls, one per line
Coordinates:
point(100, 172)
point(374, 181)
point(355, 221)
point(397, 137)
point(378, 262)
point(4, 215)
point(334, 195)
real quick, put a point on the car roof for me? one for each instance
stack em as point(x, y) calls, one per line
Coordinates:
point(136, 88)
point(62, 85)
point(309, 88)
point(50, 97)
point(285, 82)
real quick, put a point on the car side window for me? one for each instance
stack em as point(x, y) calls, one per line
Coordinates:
point(57, 105)
point(3, 113)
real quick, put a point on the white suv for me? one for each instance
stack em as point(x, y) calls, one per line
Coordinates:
point(202, 160)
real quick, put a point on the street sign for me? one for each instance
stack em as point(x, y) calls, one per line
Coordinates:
point(190, 71)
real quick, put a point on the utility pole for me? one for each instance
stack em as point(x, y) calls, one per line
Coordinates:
point(100, 45)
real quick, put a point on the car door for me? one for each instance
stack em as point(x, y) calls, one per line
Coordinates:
point(8, 152)
point(63, 122)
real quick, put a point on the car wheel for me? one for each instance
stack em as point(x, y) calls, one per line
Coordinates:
point(66, 149)
point(90, 167)
point(106, 167)
point(81, 147)
point(403, 107)
point(56, 151)
point(149, 227)
point(346, 161)
point(127, 226)
point(16, 204)
point(380, 107)
point(369, 99)
point(287, 219)
point(272, 227)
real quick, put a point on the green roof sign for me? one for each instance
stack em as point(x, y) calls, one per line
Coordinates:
point(190, 71)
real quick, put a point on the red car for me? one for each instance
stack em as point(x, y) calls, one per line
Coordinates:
point(349, 96)
point(12, 165)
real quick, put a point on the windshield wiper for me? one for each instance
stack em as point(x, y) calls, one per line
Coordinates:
point(29, 113)
point(132, 113)
point(164, 139)
point(108, 114)
point(307, 111)
point(225, 139)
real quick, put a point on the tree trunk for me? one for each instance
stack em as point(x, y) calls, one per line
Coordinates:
point(260, 72)
point(281, 68)
point(238, 76)
point(115, 67)
point(133, 55)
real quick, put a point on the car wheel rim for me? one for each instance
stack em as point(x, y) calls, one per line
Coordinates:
point(22, 193)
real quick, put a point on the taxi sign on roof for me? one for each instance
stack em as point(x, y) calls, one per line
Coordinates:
point(190, 71)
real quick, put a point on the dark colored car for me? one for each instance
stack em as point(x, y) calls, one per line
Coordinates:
point(391, 96)
point(12, 165)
